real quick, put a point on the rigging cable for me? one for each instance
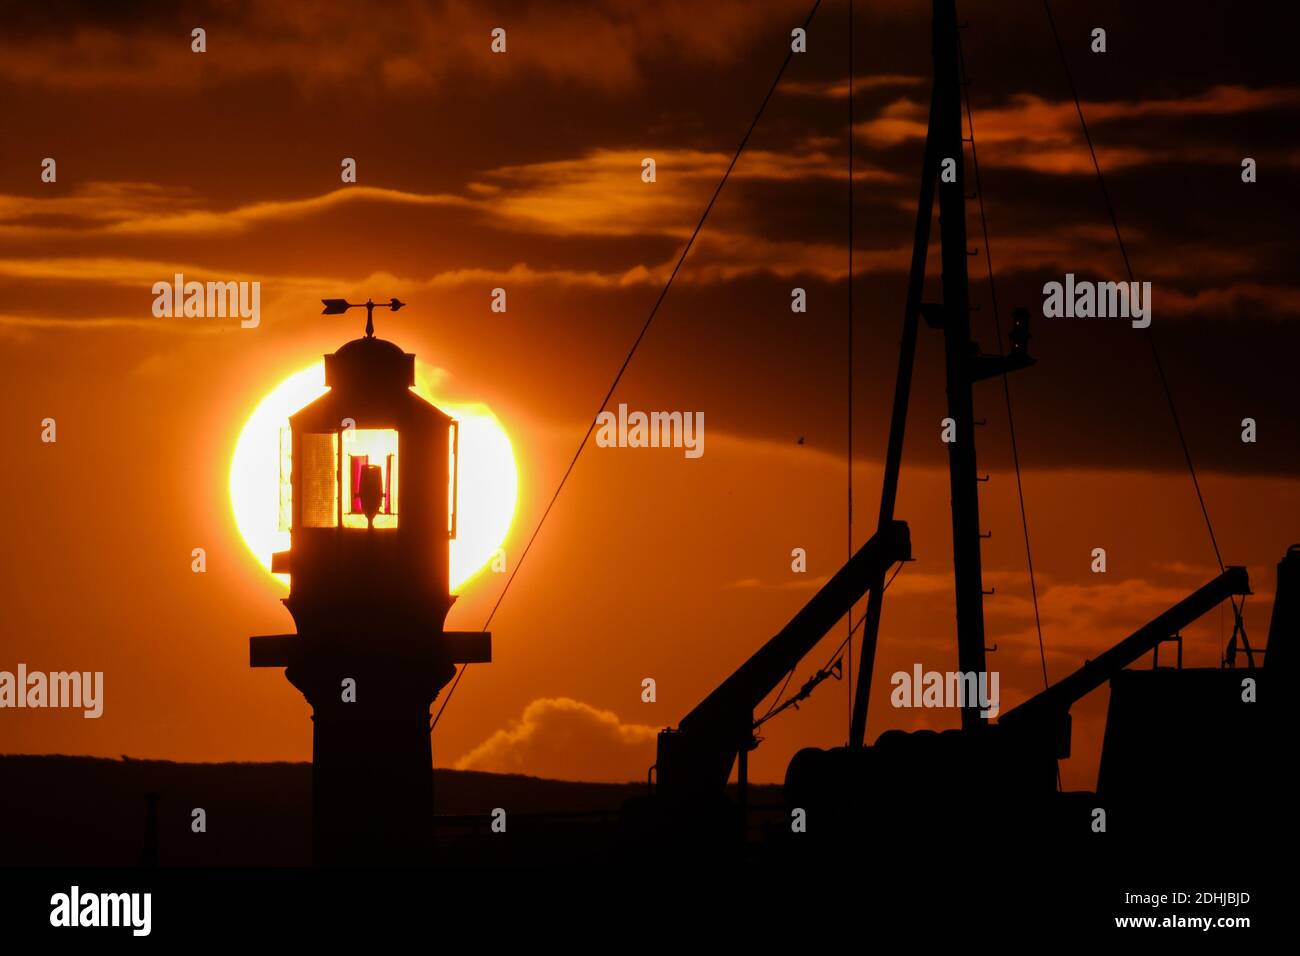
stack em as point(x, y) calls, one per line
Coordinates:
point(1155, 354)
point(1006, 385)
point(774, 709)
point(848, 620)
point(631, 352)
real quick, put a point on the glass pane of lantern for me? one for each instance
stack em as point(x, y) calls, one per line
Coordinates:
point(286, 479)
point(320, 485)
point(364, 447)
point(453, 474)
point(390, 484)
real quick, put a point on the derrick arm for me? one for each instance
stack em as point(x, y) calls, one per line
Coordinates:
point(695, 760)
point(1051, 707)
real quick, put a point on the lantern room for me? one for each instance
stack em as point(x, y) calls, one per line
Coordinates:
point(368, 495)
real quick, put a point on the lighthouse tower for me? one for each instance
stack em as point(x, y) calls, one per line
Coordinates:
point(369, 476)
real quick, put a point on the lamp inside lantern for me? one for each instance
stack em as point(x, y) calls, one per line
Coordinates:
point(370, 477)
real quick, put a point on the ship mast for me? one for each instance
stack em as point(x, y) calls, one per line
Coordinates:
point(964, 365)
point(958, 352)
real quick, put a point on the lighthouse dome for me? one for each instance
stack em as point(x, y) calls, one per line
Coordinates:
point(369, 362)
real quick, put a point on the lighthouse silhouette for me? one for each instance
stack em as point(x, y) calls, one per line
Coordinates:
point(368, 488)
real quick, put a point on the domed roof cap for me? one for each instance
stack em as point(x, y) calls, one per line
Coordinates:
point(369, 363)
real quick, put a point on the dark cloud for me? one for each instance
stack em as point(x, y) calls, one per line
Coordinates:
point(530, 178)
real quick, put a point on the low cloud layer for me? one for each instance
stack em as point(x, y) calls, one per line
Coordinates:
point(566, 739)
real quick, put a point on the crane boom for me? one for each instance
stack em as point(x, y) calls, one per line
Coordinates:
point(1058, 698)
point(695, 760)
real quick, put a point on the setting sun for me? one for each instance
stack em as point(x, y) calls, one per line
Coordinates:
point(487, 487)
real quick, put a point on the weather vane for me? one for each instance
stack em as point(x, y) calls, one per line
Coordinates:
point(339, 306)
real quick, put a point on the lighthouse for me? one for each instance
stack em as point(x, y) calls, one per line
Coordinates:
point(368, 491)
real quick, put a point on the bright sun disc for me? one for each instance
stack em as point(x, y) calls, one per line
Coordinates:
point(488, 482)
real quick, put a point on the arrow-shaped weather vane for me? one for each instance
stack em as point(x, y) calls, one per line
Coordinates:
point(339, 306)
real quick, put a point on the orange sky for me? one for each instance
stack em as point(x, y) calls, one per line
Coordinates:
point(523, 171)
